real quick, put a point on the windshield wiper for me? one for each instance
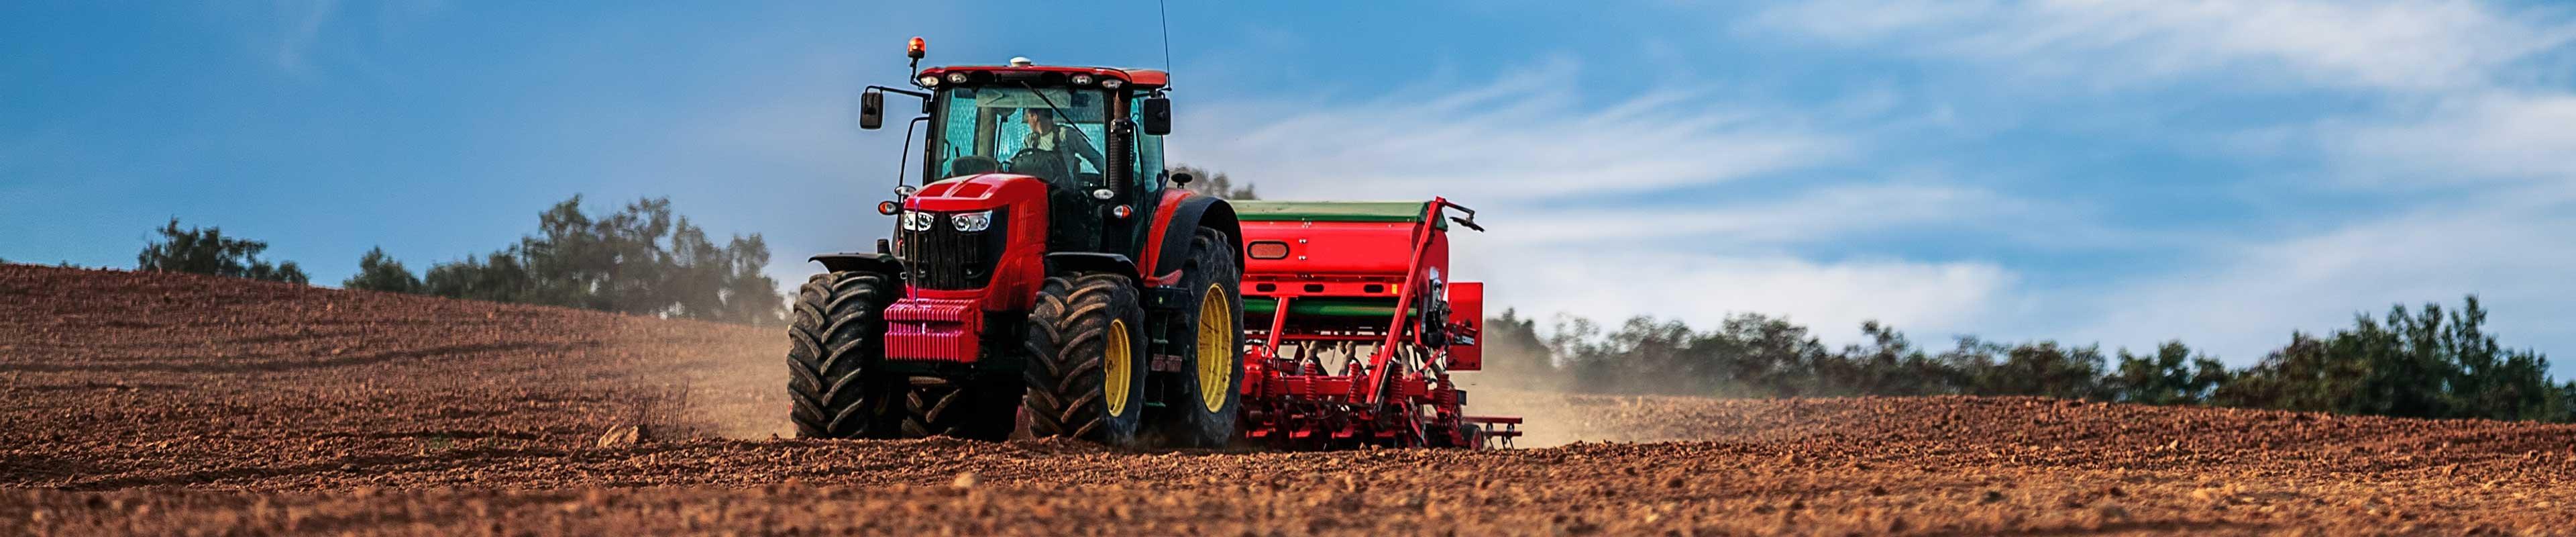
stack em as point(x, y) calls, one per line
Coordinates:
point(1059, 112)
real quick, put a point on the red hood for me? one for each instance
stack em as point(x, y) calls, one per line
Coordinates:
point(977, 192)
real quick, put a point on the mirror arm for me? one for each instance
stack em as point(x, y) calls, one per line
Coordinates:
point(903, 160)
point(915, 94)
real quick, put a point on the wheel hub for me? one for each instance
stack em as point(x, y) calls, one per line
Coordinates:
point(1117, 361)
point(1215, 347)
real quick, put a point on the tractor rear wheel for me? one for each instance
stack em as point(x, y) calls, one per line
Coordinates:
point(1210, 340)
point(1086, 371)
point(980, 409)
point(834, 345)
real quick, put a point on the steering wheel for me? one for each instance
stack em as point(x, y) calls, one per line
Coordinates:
point(1040, 162)
point(1028, 152)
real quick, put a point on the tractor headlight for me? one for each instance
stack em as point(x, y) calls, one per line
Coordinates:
point(957, 78)
point(918, 221)
point(929, 81)
point(1111, 83)
point(1082, 80)
point(971, 222)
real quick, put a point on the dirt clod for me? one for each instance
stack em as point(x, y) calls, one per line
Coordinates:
point(621, 436)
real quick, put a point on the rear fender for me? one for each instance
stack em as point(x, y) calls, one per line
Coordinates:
point(1063, 262)
point(1181, 214)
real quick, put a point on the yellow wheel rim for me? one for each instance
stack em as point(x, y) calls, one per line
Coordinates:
point(1117, 363)
point(1216, 348)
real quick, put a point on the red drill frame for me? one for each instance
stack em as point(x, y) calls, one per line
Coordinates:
point(1323, 279)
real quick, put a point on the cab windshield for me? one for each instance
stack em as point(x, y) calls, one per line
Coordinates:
point(1050, 133)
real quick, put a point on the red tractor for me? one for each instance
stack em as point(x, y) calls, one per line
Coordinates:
point(1046, 274)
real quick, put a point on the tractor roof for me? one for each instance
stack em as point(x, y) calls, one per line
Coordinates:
point(1139, 78)
point(1332, 211)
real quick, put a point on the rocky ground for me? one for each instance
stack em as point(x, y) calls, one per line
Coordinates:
point(173, 404)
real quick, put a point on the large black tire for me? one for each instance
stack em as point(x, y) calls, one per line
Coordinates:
point(983, 409)
point(1210, 342)
point(1072, 361)
point(834, 344)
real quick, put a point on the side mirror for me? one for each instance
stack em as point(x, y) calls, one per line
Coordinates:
point(1158, 116)
point(871, 109)
point(1183, 178)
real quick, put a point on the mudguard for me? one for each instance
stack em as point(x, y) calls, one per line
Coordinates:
point(844, 262)
point(1186, 215)
point(1062, 262)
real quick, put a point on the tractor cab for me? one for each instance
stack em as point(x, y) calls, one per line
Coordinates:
point(1094, 135)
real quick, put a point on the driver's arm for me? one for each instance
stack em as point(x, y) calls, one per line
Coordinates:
point(1080, 144)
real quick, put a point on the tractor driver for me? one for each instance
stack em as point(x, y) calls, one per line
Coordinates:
point(1064, 141)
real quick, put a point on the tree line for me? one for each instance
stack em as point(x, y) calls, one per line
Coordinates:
point(641, 259)
point(206, 250)
point(2423, 363)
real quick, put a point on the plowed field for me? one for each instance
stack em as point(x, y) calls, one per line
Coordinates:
point(172, 404)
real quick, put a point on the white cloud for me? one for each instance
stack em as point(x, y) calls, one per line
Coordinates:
point(1832, 298)
point(2249, 302)
point(2388, 45)
point(1519, 148)
point(2490, 135)
point(1819, 214)
point(1519, 138)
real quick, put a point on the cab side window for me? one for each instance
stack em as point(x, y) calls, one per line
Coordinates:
point(1149, 152)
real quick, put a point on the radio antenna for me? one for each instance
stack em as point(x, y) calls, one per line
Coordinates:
point(1166, 13)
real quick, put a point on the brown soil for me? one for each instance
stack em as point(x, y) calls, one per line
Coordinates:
point(172, 404)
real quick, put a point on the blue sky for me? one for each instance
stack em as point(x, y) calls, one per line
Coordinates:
point(2120, 172)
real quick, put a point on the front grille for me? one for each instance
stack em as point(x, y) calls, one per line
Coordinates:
point(944, 258)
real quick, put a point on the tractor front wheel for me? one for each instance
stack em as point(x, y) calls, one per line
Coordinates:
point(1086, 371)
point(833, 348)
point(980, 409)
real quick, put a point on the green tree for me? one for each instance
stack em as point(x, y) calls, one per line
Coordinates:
point(1750, 355)
point(1757, 355)
point(2420, 363)
point(642, 259)
point(497, 277)
point(208, 251)
point(2304, 375)
point(380, 272)
point(2041, 368)
point(2490, 381)
point(1886, 364)
point(2171, 376)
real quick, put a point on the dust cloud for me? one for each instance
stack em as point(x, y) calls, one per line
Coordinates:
point(1553, 415)
point(728, 382)
point(696, 379)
